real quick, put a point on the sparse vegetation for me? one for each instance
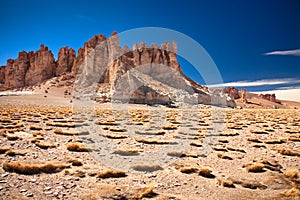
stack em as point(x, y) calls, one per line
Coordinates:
point(76, 146)
point(111, 173)
point(23, 168)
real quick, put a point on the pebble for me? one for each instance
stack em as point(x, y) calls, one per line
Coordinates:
point(60, 187)
point(177, 184)
point(152, 175)
point(23, 190)
point(29, 195)
point(3, 181)
point(32, 180)
point(48, 192)
point(47, 188)
point(4, 175)
point(1, 188)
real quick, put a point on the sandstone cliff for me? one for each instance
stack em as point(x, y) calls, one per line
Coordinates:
point(143, 74)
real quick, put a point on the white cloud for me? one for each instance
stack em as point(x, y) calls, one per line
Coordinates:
point(295, 52)
point(289, 94)
point(256, 83)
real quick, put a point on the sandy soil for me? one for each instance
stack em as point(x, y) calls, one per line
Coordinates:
point(51, 150)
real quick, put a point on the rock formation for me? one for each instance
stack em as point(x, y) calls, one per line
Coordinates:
point(232, 92)
point(269, 97)
point(145, 74)
point(65, 60)
point(243, 95)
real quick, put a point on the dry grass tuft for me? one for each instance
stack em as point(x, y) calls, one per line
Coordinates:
point(256, 168)
point(35, 128)
point(59, 131)
point(146, 168)
point(170, 127)
point(4, 150)
point(115, 136)
point(12, 152)
point(288, 152)
point(150, 133)
point(111, 173)
point(153, 141)
point(259, 131)
point(292, 174)
point(117, 129)
point(189, 170)
point(275, 141)
point(44, 145)
point(254, 140)
point(76, 146)
point(146, 191)
point(224, 156)
point(293, 192)
point(196, 143)
point(12, 136)
point(225, 183)
point(229, 133)
point(230, 148)
point(23, 168)
point(127, 152)
point(206, 172)
point(74, 161)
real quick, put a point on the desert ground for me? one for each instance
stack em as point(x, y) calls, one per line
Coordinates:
point(50, 150)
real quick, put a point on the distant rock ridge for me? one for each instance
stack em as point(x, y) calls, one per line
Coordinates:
point(153, 71)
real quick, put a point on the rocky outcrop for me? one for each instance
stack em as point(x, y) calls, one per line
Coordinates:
point(243, 95)
point(143, 74)
point(269, 97)
point(65, 61)
point(232, 92)
point(28, 69)
point(42, 66)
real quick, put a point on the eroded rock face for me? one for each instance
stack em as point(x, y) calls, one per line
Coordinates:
point(269, 97)
point(243, 95)
point(232, 92)
point(153, 71)
point(42, 66)
point(65, 60)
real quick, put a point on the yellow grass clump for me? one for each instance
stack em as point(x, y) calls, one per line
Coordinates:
point(256, 168)
point(111, 173)
point(225, 183)
point(77, 146)
point(154, 141)
point(189, 170)
point(206, 172)
point(44, 145)
point(224, 156)
point(146, 168)
point(127, 152)
point(23, 168)
point(146, 191)
point(288, 152)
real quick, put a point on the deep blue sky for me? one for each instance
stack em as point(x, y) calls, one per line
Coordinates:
point(235, 33)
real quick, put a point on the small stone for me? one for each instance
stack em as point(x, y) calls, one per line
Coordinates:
point(47, 188)
point(48, 192)
point(3, 181)
point(23, 190)
point(1, 188)
point(32, 180)
point(29, 195)
point(60, 187)
point(177, 184)
point(4, 175)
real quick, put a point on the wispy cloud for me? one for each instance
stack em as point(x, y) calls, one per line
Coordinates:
point(295, 52)
point(257, 83)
